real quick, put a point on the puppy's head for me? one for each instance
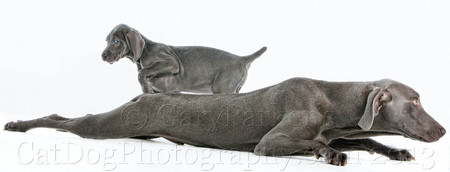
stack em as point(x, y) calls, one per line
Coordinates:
point(123, 41)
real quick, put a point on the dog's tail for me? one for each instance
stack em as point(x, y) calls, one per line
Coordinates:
point(250, 58)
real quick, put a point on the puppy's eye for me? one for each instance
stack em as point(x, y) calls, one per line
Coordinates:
point(416, 102)
point(116, 41)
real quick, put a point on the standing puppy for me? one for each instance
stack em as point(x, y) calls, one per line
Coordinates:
point(165, 68)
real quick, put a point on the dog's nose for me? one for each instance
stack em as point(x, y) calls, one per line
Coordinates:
point(105, 55)
point(442, 130)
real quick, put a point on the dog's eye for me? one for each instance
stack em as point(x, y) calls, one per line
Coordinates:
point(416, 102)
point(116, 41)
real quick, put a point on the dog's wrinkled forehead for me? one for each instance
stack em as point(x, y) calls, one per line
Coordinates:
point(119, 31)
point(399, 88)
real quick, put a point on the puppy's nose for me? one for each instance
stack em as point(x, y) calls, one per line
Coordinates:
point(105, 55)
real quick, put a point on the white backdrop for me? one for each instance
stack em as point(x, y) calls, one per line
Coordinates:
point(50, 63)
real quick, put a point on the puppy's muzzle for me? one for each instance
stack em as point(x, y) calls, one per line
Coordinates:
point(106, 56)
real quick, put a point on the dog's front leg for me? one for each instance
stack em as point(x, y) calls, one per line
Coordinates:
point(143, 80)
point(155, 70)
point(371, 145)
point(282, 145)
point(139, 67)
point(283, 140)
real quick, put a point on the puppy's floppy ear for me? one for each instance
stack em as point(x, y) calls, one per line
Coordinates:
point(375, 101)
point(136, 44)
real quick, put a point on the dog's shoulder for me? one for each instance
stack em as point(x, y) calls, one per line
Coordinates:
point(300, 81)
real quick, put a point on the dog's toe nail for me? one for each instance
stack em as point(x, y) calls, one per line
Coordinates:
point(9, 126)
point(316, 155)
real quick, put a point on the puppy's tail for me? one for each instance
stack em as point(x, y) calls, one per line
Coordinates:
point(250, 58)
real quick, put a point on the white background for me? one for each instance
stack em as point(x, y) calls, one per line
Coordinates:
point(50, 63)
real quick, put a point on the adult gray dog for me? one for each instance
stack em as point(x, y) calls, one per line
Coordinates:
point(296, 117)
point(165, 68)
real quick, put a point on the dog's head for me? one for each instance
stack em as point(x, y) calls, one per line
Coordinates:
point(395, 107)
point(123, 41)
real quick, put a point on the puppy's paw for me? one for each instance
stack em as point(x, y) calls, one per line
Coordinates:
point(14, 126)
point(148, 90)
point(400, 155)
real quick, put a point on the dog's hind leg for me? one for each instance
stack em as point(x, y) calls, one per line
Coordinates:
point(154, 137)
point(227, 82)
point(129, 120)
point(89, 126)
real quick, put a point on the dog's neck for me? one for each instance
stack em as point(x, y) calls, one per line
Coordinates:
point(347, 109)
point(342, 122)
point(148, 43)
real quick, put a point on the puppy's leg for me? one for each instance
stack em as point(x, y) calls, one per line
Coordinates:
point(143, 80)
point(226, 82)
point(165, 65)
point(371, 146)
point(282, 141)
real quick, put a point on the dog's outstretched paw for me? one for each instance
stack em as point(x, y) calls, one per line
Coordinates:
point(336, 158)
point(332, 157)
point(13, 126)
point(400, 155)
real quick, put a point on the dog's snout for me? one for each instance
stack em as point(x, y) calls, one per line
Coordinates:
point(105, 55)
point(434, 134)
point(442, 130)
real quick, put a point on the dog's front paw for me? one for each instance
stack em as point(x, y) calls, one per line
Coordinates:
point(400, 155)
point(13, 126)
point(333, 157)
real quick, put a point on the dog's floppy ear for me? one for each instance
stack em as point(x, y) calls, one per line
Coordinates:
point(136, 44)
point(375, 101)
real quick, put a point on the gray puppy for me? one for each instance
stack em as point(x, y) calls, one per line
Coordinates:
point(296, 117)
point(165, 68)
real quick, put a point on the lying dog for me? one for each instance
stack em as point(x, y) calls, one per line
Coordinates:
point(296, 117)
point(165, 68)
